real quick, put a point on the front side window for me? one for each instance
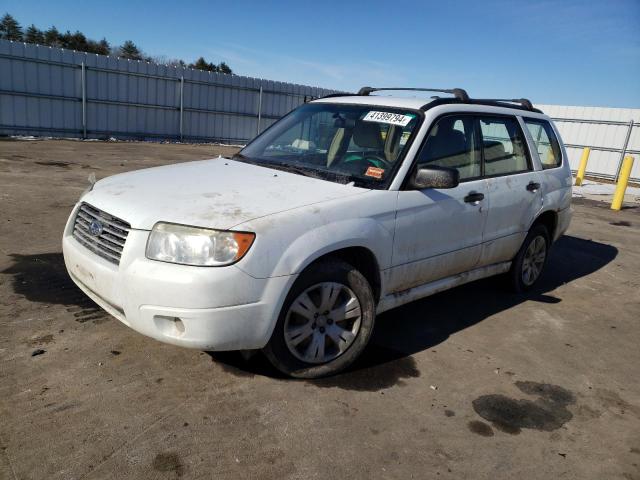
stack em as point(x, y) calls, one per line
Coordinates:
point(503, 146)
point(451, 143)
point(343, 143)
point(546, 142)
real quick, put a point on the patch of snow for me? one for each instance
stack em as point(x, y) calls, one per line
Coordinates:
point(590, 187)
point(25, 137)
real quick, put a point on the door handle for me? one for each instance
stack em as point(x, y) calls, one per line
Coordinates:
point(533, 187)
point(474, 197)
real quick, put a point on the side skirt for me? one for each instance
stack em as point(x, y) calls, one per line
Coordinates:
point(405, 296)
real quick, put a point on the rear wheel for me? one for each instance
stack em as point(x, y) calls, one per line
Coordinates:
point(530, 261)
point(325, 323)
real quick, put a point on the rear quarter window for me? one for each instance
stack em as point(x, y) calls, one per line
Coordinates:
point(546, 142)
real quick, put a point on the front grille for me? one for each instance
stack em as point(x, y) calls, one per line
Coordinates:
point(110, 241)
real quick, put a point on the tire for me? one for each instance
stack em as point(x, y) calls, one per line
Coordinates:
point(529, 263)
point(306, 341)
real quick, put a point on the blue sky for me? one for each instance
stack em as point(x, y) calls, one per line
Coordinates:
point(561, 52)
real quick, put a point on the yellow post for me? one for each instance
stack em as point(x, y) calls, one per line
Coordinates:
point(583, 166)
point(623, 179)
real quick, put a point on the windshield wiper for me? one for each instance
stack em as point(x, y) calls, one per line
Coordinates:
point(286, 167)
point(328, 175)
point(242, 158)
point(275, 165)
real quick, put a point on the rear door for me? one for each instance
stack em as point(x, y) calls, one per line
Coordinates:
point(555, 174)
point(439, 231)
point(513, 187)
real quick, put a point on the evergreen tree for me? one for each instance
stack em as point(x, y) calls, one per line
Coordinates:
point(34, 35)
point(92, 46)
point(130, 50)
point(52, 37)
point(77, 41)
point(65, 39)
point(10, 28)
point(201, 64)
point(224, 68)
point(103, 47)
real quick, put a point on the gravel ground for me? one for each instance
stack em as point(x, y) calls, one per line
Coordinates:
point(471, 383)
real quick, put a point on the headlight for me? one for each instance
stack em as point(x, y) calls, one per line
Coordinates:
point(173, 243)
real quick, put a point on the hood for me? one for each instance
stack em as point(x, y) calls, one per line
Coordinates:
point(218, 193)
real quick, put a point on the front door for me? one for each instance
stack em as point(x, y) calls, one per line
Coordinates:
point(439, 231)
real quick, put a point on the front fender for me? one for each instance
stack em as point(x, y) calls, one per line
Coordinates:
point(362, 232)
point(288, 241)
point(290, 249)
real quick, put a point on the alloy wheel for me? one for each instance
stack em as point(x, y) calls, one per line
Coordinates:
point(533, 260)
point(322, 322)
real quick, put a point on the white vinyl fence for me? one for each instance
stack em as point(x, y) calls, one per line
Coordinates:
point(611, 133)
point(64, 93)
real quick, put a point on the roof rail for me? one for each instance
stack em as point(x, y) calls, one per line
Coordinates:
point(525, 102)
point(459, 93)
point(333, 95)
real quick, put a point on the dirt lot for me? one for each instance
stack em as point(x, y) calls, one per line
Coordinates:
point(471, 383)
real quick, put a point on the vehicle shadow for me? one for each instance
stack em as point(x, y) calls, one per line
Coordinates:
point(424, 324)
point(43, 278)
point(400, 333)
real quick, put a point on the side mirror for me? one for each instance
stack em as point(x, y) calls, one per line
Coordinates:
point(434, 177)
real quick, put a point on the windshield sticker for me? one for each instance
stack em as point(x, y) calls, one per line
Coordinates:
point(387, 117)
point(374, 172)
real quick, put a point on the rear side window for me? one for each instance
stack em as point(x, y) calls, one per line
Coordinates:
point(546, 143)
point(452, 143)
point(503, 146)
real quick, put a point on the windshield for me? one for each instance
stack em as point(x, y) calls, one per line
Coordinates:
point(341, 143)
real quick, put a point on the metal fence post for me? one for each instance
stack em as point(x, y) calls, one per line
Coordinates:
point(624, 149)
point(582, 168)
point(259, 111)
point(621, 187)
point(181, 106)
point(83, 82)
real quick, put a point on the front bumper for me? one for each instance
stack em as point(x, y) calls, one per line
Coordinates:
point(207, 308)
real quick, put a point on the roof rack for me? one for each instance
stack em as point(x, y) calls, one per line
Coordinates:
point(525, 102)
point(459, 93)
point(460, 96)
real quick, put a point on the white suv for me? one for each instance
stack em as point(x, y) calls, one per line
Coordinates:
point(349, 206)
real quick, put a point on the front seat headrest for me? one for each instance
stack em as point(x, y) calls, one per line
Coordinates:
point(367, 135)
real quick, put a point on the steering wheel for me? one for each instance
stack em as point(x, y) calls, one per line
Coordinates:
point(373, 159)
point(378, 159)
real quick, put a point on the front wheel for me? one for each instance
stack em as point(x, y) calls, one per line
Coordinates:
point(325, 323)
point(530, 261)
